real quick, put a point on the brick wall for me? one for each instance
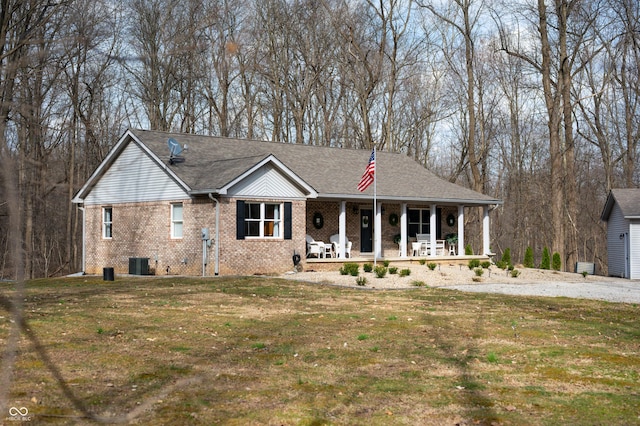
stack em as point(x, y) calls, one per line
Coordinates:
point(259, 256)
point(330, 211)
point(143, 230)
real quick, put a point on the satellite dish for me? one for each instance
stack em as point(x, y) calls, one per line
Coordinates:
point(174, 147)
point(174, 151)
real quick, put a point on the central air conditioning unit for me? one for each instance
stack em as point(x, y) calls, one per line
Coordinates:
point(138, 266)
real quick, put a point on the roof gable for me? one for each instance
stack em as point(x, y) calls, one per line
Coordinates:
point(269, 178)
point(131, 173)
point(627, 199)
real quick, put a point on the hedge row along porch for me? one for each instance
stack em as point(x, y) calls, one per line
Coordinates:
point(200, 205)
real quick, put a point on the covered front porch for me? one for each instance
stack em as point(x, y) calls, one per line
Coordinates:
point(401, 225)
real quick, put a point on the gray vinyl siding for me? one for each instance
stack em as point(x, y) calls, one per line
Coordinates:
point(134, 177)
point(266, 182)
point(616, 225)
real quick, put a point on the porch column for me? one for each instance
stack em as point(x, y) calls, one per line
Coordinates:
point(460, 230)
point(432, 230)
point(403, 230)
point(486, 249)
point(342, 228)
point(377, 232)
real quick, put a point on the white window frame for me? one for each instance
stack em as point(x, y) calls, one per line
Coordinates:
point(177, 232)
point(107, 225)
point(263, 221)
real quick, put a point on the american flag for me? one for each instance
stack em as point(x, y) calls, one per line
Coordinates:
point(369, 173)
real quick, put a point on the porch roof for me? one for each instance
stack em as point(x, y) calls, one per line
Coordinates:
point(211, 163)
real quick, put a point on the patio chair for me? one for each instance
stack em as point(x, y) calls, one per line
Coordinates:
point(314, 247)
point(335, 240)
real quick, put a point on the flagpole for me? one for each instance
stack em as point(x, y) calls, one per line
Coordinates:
point(375, 208)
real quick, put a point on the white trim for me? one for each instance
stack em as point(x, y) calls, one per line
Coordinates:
point(262, 220)
point(103, 212)
point(486, 244)
point(174, 235)
point(403, 230)
point(433, 230)
point(461, 230)
point(342, 230)
point(377, 231)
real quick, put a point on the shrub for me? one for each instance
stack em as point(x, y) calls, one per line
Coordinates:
point(361, 281)
point(468, 250)
point(474, 263)
point(585, 273)
point(349, 269)
point(418, 283)
point(367, 267)
point(556, 263)
point(380, 271)
point(432, 265)
point(501, 265)
point(393, 270)
point(545, 263)
point(528, 258)
point(422, 261)
point(405, 272)
point(486, 264)
point(506, 256)
point(478, 271)
point(515, 273)
point(385, 263)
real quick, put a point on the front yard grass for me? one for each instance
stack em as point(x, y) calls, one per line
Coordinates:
point(268, 351)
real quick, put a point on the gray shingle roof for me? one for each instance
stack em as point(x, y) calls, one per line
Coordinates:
point(627, 198)
point(212, 162)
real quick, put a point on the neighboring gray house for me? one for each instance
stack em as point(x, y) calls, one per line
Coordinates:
point(257, 203)
point(622, 214)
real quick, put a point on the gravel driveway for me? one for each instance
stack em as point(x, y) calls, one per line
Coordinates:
point(613, 291)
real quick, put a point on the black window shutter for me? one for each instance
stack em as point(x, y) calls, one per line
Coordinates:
point(287, 221)
point(240, 220)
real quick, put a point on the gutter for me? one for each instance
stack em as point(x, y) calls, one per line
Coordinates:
point(216, 264)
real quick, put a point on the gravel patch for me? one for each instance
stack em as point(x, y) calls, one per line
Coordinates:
point(531, 282)
point(619, 292)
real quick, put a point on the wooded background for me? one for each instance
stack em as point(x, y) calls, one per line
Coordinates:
point(535, 102)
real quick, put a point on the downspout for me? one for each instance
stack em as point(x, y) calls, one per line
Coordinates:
point(84, 239)
point(216, 255)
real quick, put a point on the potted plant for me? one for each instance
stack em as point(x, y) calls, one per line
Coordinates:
point(451, 238)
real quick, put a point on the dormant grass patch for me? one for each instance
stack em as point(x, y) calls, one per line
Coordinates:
point(266, 351)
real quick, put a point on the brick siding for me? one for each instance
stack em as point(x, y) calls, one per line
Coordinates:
point(143, 230)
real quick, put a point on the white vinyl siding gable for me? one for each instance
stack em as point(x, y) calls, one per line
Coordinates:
point(266, 182)
point(134, 177)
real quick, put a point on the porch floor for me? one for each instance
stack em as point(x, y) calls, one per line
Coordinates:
point(329, 262)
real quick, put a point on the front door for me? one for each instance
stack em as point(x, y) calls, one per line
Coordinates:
point(366, 231)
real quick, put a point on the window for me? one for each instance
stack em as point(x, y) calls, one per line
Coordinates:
point(176, 220)
point(262, 220)
point(419, 221)
point(107, 222)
